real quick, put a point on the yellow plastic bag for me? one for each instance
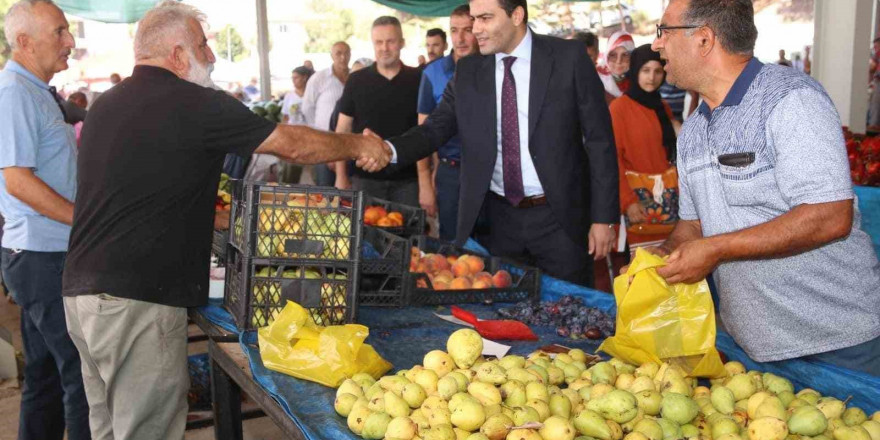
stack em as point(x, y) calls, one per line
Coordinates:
point(296, 346)
point(658, 322)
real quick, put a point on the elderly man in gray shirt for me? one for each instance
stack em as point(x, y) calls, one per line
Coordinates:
point(766, 199)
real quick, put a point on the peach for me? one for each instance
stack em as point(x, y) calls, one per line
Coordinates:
point(441, 263)
point(485, 276)
point(475, 263)
point(482, 283)
point(502, 279)
point(444, 275)
point(440, 285)
point(461, 268)
point(460, 283)
point(371, 216)
point(396, 217)
point(384, 222)
point(451, 259)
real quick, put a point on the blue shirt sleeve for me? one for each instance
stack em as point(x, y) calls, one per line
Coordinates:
point(19, 128)
point(426, 96)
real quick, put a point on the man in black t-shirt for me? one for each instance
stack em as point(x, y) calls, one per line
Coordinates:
point(149, 167)
point(383, 98)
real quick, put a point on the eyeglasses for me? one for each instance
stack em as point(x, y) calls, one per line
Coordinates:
point(661, 28)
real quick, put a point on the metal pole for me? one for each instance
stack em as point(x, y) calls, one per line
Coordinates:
point(263, 49)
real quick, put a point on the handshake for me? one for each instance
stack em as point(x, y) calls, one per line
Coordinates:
point(372, 154)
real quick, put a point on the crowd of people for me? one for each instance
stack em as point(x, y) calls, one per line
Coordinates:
point(518, 138)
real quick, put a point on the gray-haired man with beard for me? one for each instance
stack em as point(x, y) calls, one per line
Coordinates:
point(153, 148)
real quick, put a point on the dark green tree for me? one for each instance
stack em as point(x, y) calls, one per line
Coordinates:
point(4, 45)
point(229, 43)
point(327, 25)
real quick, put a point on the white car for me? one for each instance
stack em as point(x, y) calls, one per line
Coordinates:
point(611, 16)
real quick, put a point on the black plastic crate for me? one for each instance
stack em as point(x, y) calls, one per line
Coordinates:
point(301, 223)
point(218, 245)
point(413, 217)
point(400, 287)
point(257, 289)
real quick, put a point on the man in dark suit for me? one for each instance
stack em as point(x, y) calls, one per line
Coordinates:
point(538, 154)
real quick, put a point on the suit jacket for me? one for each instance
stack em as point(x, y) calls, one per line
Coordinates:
point(570, 136)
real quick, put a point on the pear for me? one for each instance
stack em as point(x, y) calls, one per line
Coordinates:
point(755, 401)
point(480, 436)
point(491, 373)
point(741, 417)
point(807, 421)
point(560, 406)
point(513, 392)
point(649, 401)
point(447, 387)
point(831, 407)
point(460, 379)
point(702, 391)
point(786, 397)
point(395, 406)
point(590, 423)
point(461, 434)
point(771, 407)
point(512, 361)
point(635, 436)
point(572, 373)
point(349, 386)
point(491, 410)
point(357, 417)
point(616, 405)
point(440, 432)
point(435, 402)
point(439, 361)
point(742, 386)
point(465, 346)
point(851, 433)
point(413, 394)
point(876, 416)
point(676, 385)
point(375, 426)
point(401, 428)
point(723, 399)
point(556, 427)
point(535, 390)
point(648, 369)
point(485, 393)
point(539, 372)
point(556, 375)
point(767, 428)
point(724, 426)
point(776, 384)
point(496, 427)
point(520, 374)
point(363, 379)
point(690, 431)
point(854, 416)
point(731, 437)
point(420, 419)
point(650, 428)
point(678, 408)
point(741, 405)
point(641, 383)
point(542, 362)
point(603, 372)
point(428, 379)
point(411, 373)
point(616, 430)
point(834, 424)
point(395, 384)
point(873, 428)
point(797, 403)
point(469, 416)
point(577, 384)
point(573, 396)
point(630, 425)
point(600, 389)
point(377, 404)
point(523, 434)
point(467, 373)
point(541, 407)
point(733, 368)
point(624, 381)
point(440, 416)
point(343, 404)
point(811, 398)
point(458, 399)
point(758, 378)
point(525, 414)
point(671, 430)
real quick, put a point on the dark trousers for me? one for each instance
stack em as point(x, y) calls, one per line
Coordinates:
point(399, 191)
point(324, 176)
point(533, 236)
point(863, 357)
point(447, 184)
point(53, 396)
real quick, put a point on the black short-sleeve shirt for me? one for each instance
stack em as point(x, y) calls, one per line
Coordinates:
point(387, 107)
point(148, 169)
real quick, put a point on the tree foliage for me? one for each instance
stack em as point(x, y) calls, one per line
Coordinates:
point(327, 25)
point(229, 39)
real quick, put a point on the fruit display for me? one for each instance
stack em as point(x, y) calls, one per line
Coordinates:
point(457, 394)
point(270, 110)
point(378, 216)
point(570, 316)
point(224, 199)
point(268, 300)
point(864, 158)
point(456, 273)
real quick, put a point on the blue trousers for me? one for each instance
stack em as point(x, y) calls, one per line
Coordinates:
point(52, 396)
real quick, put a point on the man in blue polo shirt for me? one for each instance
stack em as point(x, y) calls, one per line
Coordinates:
point(766, 199)
point(37, 186)
point(441, 195)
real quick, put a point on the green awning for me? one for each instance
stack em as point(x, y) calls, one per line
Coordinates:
point(434, 8)
point(107, 11)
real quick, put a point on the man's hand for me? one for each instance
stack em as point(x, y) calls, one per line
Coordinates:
point(636, 213)
point(601, 241)
point(428, 201)
point(691, 262)
point(373, 154)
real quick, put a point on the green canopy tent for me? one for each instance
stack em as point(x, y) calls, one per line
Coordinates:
point(107, 11)
point(435, 8)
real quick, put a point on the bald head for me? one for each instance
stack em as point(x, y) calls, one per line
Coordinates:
point(341, 55)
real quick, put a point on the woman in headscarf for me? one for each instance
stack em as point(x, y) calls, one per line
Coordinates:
point(645, 137)
point(617, 60)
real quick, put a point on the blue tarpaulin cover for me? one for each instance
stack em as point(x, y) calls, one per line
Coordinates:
point(869, 205)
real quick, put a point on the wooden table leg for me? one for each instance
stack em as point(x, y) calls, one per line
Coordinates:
point(227, 403)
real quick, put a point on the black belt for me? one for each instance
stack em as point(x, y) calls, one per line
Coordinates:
point(454, 163)
point(528, 202)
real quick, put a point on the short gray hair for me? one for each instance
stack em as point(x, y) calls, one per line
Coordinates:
point(163, 27)
point(18, 20)
point(733, 21)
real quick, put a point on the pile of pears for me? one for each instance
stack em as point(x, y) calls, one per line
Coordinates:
point(459, 395)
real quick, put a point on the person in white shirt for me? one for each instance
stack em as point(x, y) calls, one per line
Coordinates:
point(319, 100)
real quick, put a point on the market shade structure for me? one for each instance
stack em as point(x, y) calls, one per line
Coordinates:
point(434, 8)
point(107, 11)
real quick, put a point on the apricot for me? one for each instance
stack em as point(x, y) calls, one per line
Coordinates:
point(440, 285)
point(482, 283)
point(384, 222)
point(475, 263)
point(461, 268)
point(396, 217)
point(502, 279)
point(460, 283)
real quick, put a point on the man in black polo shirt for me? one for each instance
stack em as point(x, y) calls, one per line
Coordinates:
point(383, 98)
point(153, 147)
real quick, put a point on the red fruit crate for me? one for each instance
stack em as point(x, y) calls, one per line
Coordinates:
point(386, 279)
point(413, 217)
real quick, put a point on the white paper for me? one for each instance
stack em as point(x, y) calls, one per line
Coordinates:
point(490, 348)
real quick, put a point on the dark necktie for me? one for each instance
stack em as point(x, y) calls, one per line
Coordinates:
point(58, 101)
point(510, 154)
